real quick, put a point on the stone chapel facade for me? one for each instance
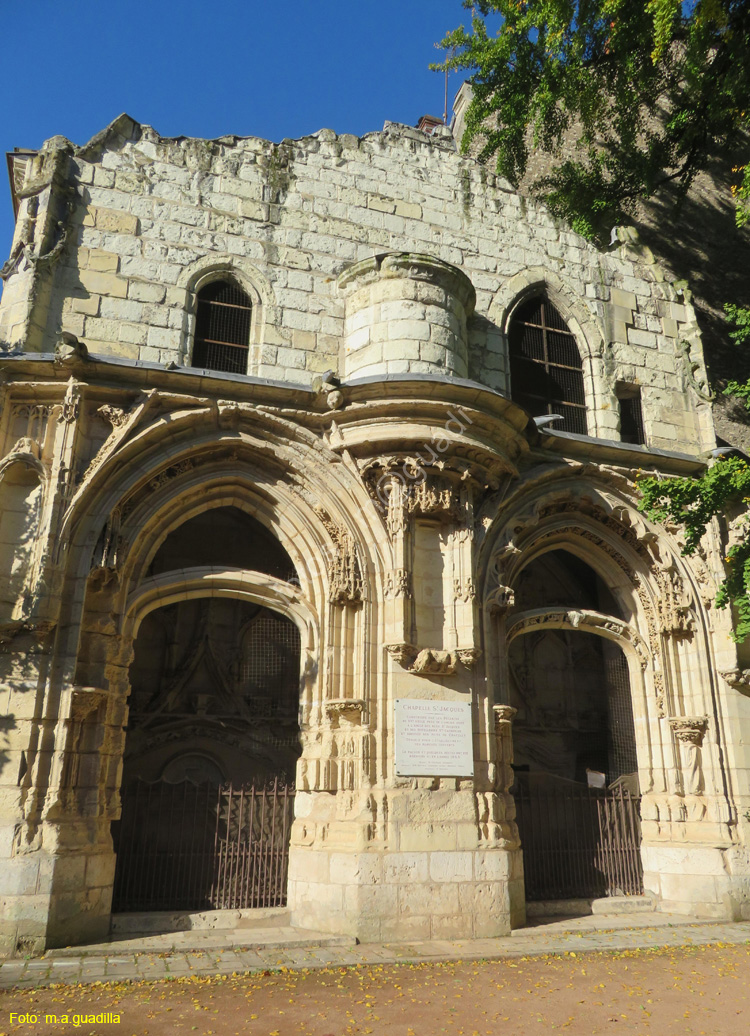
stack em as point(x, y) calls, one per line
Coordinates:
point(270, 470)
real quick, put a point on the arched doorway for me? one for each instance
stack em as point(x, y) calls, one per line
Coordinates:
point(575, 761)
point(213, 734)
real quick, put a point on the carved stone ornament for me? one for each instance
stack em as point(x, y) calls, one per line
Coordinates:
point(335, 399)
point(26, 447)
point(739, 679)
point(504, 714)
point(398, 584)
point(581, 620)
point(689, 729)
point(10, 630)
point(114, 414)
point(464, 591)
point(673, 603)
point(432, 661)
point(342, 562)
point(349, 708)
point(500, 600)
point(69, 350)
point(404, 654)
point(84, 701)
point(165, 476)
point(403, 486)
point(469, 657)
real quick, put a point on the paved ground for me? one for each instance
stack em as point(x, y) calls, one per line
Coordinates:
point(242, 951)
point(684, 990)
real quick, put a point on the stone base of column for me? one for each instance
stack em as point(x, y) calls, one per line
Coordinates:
point(692, 880)
point(387, 896)
point(48, 901)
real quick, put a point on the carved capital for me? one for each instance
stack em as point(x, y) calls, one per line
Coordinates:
point(504, 714)
point(690, 730)
point(469, 657)
point(404, 654)
point(350, 709)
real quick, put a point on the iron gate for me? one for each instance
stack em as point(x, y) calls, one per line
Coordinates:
point(578, 842)
point(202, 847)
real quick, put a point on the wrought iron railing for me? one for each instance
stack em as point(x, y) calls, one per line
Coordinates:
point(578, 842)
point(202, 847)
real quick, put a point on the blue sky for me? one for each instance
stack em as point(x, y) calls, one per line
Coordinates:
point(271, 70)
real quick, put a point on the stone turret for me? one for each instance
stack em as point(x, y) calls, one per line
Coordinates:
point(405, 313)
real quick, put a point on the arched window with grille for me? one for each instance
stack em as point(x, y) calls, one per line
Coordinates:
point(546, 372)
point(222, 328)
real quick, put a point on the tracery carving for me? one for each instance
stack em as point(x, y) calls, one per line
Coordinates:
point(464, 590)
point(35, 415)
point(167, 474)
point(344, 569)
point(673, 603)
point(398, 584)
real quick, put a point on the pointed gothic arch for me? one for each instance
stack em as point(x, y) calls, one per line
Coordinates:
point(661, 627)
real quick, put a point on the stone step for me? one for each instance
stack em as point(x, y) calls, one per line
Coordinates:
point(623, 905)
point(205, 941)
point(156, 921)
point(584, 907)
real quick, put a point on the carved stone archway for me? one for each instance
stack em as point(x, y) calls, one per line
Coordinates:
point(663, 629)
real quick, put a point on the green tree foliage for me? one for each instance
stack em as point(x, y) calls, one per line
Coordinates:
point(693, 502)
point(625, 96)
point(649, 89)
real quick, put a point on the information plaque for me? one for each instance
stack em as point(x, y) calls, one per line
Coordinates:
point(433, 738)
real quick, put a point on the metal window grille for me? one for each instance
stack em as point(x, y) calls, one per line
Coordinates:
point(222, 328)
point(545, 365)
point(269, 671)
point(623, 758)
point(631, 419)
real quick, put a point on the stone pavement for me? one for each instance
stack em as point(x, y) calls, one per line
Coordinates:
point(240, 951)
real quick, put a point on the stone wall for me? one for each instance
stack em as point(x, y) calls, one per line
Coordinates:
point(148, 219)
point(375, 439)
